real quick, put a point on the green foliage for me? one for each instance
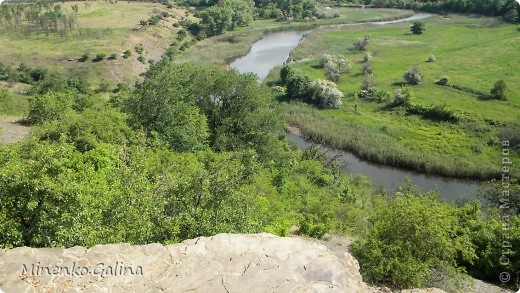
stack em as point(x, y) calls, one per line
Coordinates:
point(99, 57)
point(234, 107)
point(286, 73)
point(326, 94)
point(403, 97)
point(127, 54)
point(139, 49)
point(141, 58)
point(216, 19)
point(412, 242)
point(6, 102)
point(84, 57)
point(418, 27)
point(444, 81)
point(49, 106)
point(498, 91)
point(298, 88)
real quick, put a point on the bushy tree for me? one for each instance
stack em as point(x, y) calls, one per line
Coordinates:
point(49, 106)
point(413, 242)
point(413, 76)
point(362, 44)
point(498, 91)
point(216, 19)
point(327, 94)
point(298, 88)
point(286, 73)
point(418, 27)
point(403, 97)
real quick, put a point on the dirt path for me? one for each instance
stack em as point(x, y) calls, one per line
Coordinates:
point(11, 130)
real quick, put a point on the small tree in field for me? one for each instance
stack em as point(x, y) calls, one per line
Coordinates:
point(286, 73)
point(498, 91)
point(418, 27)
point(413, 76)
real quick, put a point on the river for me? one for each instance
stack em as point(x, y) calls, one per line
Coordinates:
point(273, 50)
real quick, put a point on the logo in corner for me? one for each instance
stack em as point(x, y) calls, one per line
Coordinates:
point(4, 0)
point(518, 1)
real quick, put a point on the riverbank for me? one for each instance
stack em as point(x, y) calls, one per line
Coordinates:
point(223, 49)
point(474, 52)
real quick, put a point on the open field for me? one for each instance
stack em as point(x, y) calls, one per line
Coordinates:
point(221, 49)
point(473, 53)
point(102, 28)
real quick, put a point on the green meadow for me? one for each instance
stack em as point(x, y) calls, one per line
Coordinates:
point(473, 53)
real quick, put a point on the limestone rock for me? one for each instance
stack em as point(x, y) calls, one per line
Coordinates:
point(222, 263)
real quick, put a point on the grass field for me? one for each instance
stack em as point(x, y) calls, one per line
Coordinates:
point(102, 28)
point(473, 53)
point(221, 49)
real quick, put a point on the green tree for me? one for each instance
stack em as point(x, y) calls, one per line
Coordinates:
point(49, 106)
point(216, 19)
point(418, 27)
point(499, 90)
point(286, 73)
point(298, 87)
point(413, 242)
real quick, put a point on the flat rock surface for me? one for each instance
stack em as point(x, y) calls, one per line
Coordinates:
point(222, 263)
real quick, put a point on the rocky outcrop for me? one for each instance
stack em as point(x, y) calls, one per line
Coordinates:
point(222, 263)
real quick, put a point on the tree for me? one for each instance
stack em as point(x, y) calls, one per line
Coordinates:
point(361, 44)
point(499, 90)
point(286, 73)
point(418, 27)
point(49, 106)
point(413, 76)
point(298, 87)
point(243, 11)
point(413, 242)
point(216, 19)
point(327, 94)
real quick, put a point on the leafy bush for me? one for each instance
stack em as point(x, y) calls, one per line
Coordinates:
point(298, 87)
point(498, 91)
point(84, 57)
point(326, 94)
point(403, 97)
point(418, 27)
point(113, 56)
point(361, 45)
point(286, 73)
point(432, 58)
point(334, 66)
point(99, 57)
point(141, 59)
point(412, 242)
point(367, 57)
point(444, 81)
point(413, 76)
point(127, 54)
point(367, 69)
point(49, 106)
point(139, 49)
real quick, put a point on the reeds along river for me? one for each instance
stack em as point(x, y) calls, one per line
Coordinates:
point(273, 50)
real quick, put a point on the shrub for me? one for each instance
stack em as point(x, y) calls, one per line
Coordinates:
point(367, 69)
point(498, 91)
point(334, 66)
point(99, 57)
point(127, 54)
point(326, 58)
point(143, 22)
point(113, 56)
point(432, 58)
point(48, 107)
point(139, 49)
point(286, 73)
point(403, 97)
point(413, 76)
point(367, 57)
point(326, 94)
point(84, 57)
point(442, 81)
point(413, 242)
point(141, 59)
point(298, 87)
point(182, 34)
point(418, 27)
point(361, 45)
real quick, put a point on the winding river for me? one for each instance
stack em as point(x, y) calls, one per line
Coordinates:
point(273, 50)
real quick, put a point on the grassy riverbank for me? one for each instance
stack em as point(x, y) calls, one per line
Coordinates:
point(221, 49)
point(473, 53)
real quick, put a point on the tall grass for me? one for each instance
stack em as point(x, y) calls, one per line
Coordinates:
point(372, 144)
